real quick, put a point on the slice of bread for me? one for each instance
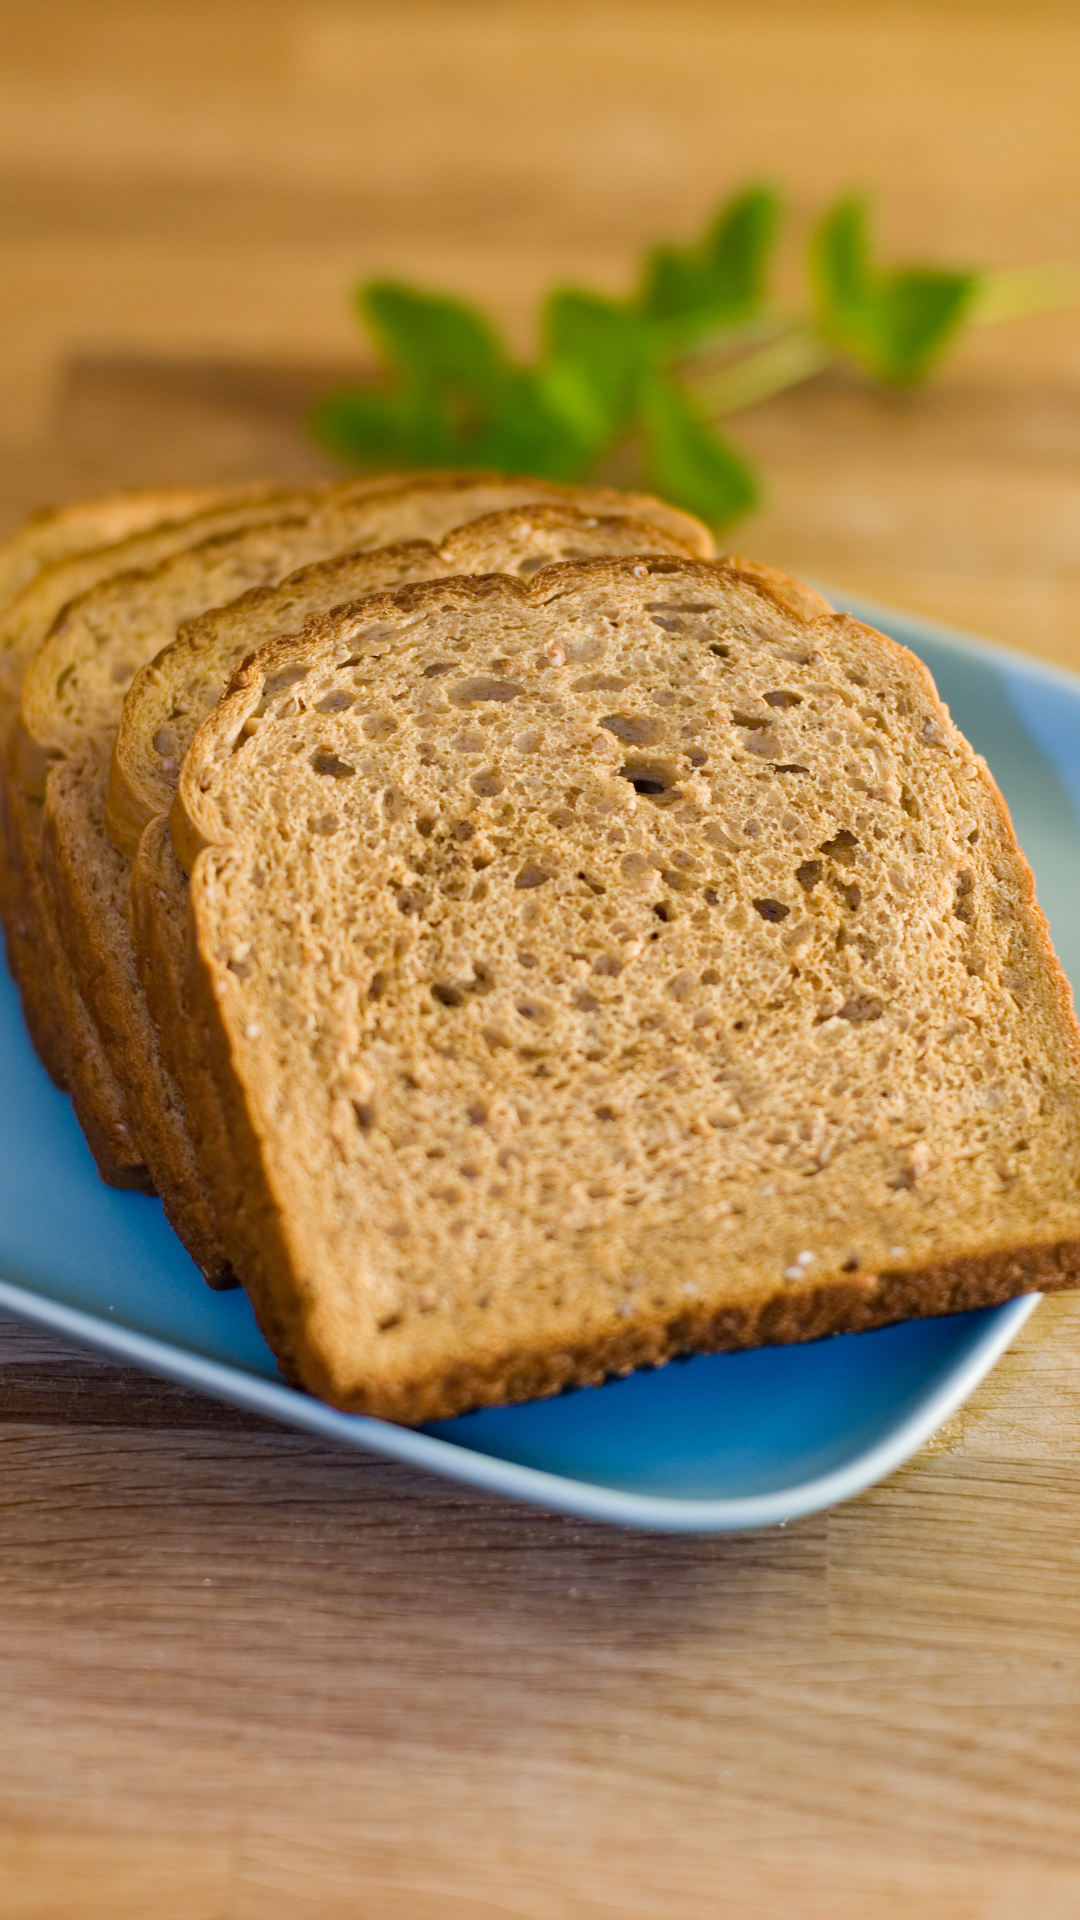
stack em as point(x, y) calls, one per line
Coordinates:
point(629, 963)
point(52, 536)
point(56, 533)
point(63, 1036)
point(26, 619)
point(195, 669)
point(70, 707)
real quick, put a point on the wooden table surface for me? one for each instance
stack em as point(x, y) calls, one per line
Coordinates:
point(243, 1674)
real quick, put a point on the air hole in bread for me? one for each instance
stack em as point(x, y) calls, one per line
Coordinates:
point(277, 682)
point(531, 875)
point(841, 848)
point(655, 779)
point(447, 994)
point(599, 683)
point(379, 726)
point(337, 702)
point(782, 697)
point(468, 692)
point(634, 729)
point(772, 910)
point(539, 1010)
point(487, 784)
point(327, 763)
point(860, 1007)
point(962, 906)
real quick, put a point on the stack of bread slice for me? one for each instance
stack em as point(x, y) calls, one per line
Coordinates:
point(515, 944)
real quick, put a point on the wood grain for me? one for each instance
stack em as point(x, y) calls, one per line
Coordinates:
point(243, 1674)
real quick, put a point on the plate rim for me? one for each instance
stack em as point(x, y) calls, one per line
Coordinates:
point(536, 1486)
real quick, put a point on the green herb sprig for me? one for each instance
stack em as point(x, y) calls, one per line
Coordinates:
point(700, 338)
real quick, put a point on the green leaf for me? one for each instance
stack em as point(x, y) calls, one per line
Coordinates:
point(719, 283)
point(454, 396)
point(457, 399)
point(924, 312)
point(840, 265)
point(740, 243)
point(687, 462)
point(526, 433)
point(897, 324)
point(595, 352)
point(366, 425)
point(453, 377)
point(434, 340)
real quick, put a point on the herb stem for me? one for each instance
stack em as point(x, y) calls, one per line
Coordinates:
point(796, 356)
point(1016, 291)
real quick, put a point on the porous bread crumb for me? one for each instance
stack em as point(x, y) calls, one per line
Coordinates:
point(75, 689)
point(496, 999)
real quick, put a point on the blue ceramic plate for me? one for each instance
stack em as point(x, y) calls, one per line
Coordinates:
point(716, 1444)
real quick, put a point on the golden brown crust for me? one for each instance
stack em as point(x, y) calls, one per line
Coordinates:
point(64, 1034)
point(859, 1305)
point(793, 596)
point(123, 1023)
point(55, 533)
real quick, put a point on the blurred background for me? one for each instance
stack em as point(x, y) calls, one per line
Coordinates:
point(188, 192)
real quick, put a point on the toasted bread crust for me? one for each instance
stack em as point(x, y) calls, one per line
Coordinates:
point(56, 533)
